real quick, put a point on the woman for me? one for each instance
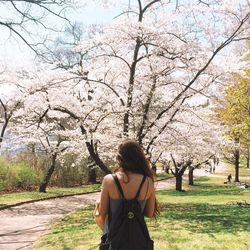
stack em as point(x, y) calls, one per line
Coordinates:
point(134, 176)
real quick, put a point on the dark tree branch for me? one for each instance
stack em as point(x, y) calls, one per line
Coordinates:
point(28, 15)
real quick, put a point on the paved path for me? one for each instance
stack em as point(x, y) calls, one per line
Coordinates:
point(22, 225)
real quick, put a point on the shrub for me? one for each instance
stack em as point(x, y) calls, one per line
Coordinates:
point(18, 175)
point(3, 174)
point(26, 177)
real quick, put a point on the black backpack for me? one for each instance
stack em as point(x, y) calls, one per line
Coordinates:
point(127, 227)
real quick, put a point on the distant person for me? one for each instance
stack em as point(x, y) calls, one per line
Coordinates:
point(126, 197)
point(229, 178)
point(214, 169)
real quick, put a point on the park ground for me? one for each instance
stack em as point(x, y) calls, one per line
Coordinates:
point(206, 216)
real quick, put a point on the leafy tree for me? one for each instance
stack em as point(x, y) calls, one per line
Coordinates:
point(234, 112)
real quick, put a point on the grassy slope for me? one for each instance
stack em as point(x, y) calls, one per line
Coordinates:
point(198, 219)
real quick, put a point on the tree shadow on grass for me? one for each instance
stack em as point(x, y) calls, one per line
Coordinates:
point(207, 218)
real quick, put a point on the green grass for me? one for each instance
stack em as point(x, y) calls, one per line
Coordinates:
point(12, 198)
point(198, 219)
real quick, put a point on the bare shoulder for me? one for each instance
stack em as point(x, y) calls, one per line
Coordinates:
point(107, 179)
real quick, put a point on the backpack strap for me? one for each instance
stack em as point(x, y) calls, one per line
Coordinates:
point(118, 185)
point(139, 189)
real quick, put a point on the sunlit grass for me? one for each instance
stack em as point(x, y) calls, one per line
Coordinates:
point(206, 190)
point(12, 198)
point(198, 219)
point(75, 231)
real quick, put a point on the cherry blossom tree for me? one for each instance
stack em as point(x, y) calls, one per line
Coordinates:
point(150, 67)
point(11, 97)
point(137, 76)
point(59, 116)
point(47, 139)
point(194, 139)
point(33, 124)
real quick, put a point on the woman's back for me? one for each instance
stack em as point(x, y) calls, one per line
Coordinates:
point(125, 224)
point(125, 213)
point(130, 184)
point(116, 200)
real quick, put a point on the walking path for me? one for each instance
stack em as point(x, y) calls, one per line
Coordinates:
point(22, 225)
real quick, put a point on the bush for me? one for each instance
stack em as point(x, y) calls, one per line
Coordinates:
point(26, 178)
point(18, 175)
point(3, 174)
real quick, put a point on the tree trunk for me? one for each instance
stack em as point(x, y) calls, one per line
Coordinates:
point(95, 157)
point(178, 184)
point(154, 168)
point(248, 157)
point(191, 176)
point(140, 134)
point(92, 175)
point(3, 130)
point(47, 177)
point(237, 164)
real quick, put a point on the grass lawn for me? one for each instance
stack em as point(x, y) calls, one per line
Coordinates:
point(198, 219)
point(12, 198)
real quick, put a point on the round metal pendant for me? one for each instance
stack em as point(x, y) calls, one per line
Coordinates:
point(131, 215)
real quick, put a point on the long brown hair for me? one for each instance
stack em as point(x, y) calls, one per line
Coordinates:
point(131, 158)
